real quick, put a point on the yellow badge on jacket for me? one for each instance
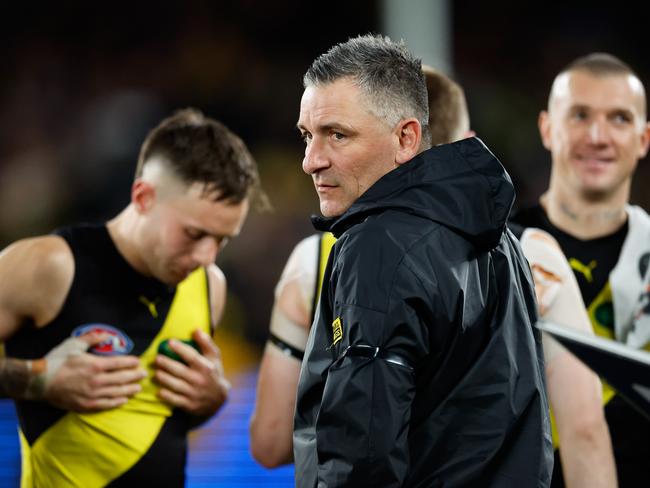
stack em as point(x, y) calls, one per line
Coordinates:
point(337, 330)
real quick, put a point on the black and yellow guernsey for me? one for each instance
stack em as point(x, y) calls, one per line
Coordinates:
point(325, 244)
point(144, 442)
point(592, 262)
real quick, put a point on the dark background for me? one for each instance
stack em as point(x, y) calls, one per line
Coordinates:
point(81, 83)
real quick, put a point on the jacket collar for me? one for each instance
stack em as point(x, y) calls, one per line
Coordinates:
point(462, 186)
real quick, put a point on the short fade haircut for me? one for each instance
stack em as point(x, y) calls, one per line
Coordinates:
point(388, 75)
point(448, 115)
point(602, 64)
point(203, 150)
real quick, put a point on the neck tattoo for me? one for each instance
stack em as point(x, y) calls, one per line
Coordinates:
point(566, 211)
point(606, 216)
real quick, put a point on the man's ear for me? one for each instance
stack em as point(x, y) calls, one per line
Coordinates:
point(544, 125)
point(645, 141)
point(409, 136)
point(143, 196)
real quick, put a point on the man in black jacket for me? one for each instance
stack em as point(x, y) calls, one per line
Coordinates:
point(422, 367)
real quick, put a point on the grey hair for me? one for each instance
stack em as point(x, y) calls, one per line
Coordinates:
point(388, 75)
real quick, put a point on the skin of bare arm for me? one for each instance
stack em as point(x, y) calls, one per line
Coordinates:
point(41, 271)
point(574, 391)
point(585, 445)
point(271, 427)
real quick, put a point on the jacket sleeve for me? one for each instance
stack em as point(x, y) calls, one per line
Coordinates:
point(363, 424)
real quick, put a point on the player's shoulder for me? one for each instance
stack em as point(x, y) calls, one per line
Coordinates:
point(44, 254)
point(216, 277)
point(308, 246)
point(217, 287)
point(304, 255)
point(541, 236)
point(41, 271)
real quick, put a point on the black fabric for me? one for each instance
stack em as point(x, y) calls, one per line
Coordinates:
point(424, 270)
point(286, 348)
point(629, 430)
point(598, 255)
point(106, 290)
point(163, 464)
point(370, 352)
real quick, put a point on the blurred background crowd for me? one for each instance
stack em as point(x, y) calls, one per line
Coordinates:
point(83, 82)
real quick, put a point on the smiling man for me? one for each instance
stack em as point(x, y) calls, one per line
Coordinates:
point(422, 367)
point(86, 311)
point(596, 130)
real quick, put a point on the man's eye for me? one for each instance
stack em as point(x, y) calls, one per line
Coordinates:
point(621, 118)
point(193, 234)
point(338, 136)
point(306, 137)
point(579, 115)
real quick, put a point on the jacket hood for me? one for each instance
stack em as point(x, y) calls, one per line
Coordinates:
point(462, 186)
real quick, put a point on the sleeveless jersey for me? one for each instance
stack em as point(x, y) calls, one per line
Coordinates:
point(592, 262)
point(327, 241)
point(144, 442)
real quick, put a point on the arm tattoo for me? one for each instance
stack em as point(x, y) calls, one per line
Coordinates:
point(14, 378)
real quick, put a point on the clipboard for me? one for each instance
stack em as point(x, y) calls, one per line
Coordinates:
point(626, 369)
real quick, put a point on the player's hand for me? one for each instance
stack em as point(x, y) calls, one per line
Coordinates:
point(75, 380)
point(198, 386)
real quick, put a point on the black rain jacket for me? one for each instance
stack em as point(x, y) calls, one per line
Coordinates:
point(423, 367)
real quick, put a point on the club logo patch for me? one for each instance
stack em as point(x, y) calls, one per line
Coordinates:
point(117, 343)
point(337, 330)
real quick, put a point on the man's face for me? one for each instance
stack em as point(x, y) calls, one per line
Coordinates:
point(187, 230)
point(596, 131)
point(347, 147)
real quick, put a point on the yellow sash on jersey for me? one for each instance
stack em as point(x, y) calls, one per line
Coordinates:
point(91, 449)
point(327, 241)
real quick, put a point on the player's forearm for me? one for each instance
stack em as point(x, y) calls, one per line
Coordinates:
point(271, 433)
point(271, 426)
point(587, 459)
point(18, 379)
point(585, 445)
